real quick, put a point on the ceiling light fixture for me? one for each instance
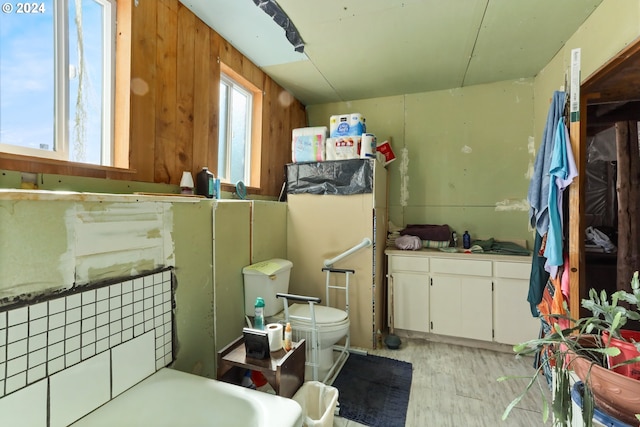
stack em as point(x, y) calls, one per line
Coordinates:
point(271, 8)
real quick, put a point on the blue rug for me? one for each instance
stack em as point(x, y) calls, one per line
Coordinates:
point(374, 390)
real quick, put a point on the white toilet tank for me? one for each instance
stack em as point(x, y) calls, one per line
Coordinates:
point(265, 279)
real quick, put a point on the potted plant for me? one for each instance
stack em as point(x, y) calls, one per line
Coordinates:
point(586, 347)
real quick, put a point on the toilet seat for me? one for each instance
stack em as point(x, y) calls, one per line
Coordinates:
point(324, 314)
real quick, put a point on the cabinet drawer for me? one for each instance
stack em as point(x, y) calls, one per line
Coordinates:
point(466, 267)
point(409, 263)
point(512, 270)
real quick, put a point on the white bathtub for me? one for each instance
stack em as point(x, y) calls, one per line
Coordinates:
point(172, 398)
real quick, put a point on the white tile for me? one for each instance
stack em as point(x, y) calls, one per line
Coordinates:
point(36, 373)
point(56, 320)
point(157, 322)
point(88, 310)
point(25, 408)
point(138, 283)
point(56, 350)
point(132, 362)
point(115, 302)
point(159, 340)
point(18, 315)
point(72, 358)
point(115, 327)
point(127, 286)
point(148, 314)
point(160, 363)
point(115, 289)
point(37, 357)
point(74, 315)
point(37, 342)
point(55, 365)
point(15, 366)
point(37, 326)
point(138, 330)
point(15, 382)
point(166, 318)
point(148, 292)
point(3, 319)
point(166, 276)
point(102, 332)
point(88, 324)
point(138, 295)
point(127, 310)
point(72, 344)
point(74, 301)
point(88, 351)
point(138, 307)
point(2, 388)
point(157, 289)
point(127, 298)
point(72, 330)
point(148, 281)
point(138, 318)
point(166, 297)
point(17, 332)
point(17, 349)
point(37, 311)
point(56, 335)
point(127, 334)
point(89, 337)
point(66, 403)
point(3, 336)
point(88, 296)
point(127, 322)
point(102, 306)
point(102, 319)
point(3, 358)
point(148, 325)
point(115, 340)
point(102, 345)
point(166, 286)
point(56, 305)
point(2, 376)
point(158, 300)
point(102, 293)
point(115, 314)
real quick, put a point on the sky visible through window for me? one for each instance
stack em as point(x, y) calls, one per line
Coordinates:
point(27, 76)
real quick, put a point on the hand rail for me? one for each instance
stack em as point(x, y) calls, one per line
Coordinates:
point(366, 242)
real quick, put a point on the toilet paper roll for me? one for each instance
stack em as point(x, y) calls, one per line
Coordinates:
point(274, 332)
point(368, 146)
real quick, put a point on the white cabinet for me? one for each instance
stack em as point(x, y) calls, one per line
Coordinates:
point(408, 282)
point(476, 296)
point(461, 302)
point(512, 319)
point(410, 301)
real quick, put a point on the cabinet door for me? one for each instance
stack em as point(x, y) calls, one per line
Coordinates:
point(512, 316)
point(461, 307)
point(476, 308)
point(445, 305)
point(410, 301)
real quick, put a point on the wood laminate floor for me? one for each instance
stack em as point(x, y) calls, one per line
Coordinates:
point(456, 386)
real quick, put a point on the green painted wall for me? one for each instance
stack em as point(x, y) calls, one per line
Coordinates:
point(462, 155)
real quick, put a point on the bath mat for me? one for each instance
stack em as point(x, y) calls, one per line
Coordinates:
point(374, 390)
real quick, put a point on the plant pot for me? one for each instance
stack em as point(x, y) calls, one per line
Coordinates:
point(627, 351)
point(614, 393)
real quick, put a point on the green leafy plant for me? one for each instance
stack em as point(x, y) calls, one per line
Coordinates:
point(582, 339)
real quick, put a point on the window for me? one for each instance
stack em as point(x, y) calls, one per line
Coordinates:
point(57, 80)
point(239, 129)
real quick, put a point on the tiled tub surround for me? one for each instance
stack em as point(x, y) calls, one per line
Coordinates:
point(62, 358)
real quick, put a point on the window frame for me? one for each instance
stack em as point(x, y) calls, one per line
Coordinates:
point(255, 162)
point(119, 93)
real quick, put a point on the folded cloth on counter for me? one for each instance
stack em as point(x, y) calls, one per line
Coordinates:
point(435, 244)
point(505, 248)
point(406, 242)
point(437, 233)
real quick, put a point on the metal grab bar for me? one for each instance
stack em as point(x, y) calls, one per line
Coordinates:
point(366, 242)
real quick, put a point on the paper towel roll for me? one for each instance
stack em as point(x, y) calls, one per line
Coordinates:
point(368, 146)
point(274, 331)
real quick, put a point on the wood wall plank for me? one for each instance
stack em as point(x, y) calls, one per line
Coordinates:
point(202, 102)
point(143, 90)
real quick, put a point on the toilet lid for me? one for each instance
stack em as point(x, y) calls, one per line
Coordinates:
point(324, 314)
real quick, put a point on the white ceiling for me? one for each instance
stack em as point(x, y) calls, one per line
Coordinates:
point(357, 49)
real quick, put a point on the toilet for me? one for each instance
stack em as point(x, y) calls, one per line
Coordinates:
point(267, 278)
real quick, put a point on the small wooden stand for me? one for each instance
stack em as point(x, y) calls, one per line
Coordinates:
point(284, 370)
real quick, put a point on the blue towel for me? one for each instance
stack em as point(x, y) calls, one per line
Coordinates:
point(538, 195)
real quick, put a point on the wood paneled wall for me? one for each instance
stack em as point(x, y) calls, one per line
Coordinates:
point(174, 125)
point(175, 76)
